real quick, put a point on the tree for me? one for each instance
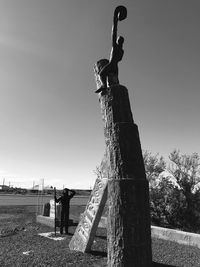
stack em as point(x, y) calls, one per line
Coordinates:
point(165, 203)
point(154, 166)
point(185, 169)
point(175, 199)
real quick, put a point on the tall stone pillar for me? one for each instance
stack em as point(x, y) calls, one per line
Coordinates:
point(129, 234)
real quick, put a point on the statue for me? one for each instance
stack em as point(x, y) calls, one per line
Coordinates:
point(106, 71)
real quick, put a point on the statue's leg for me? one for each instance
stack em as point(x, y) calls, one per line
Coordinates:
point(103, 75)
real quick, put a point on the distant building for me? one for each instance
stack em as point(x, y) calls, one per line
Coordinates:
point(35, 187)
point(4, 188)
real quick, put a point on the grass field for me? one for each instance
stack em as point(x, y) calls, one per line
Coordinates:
point(20, 244)
point(34, 200)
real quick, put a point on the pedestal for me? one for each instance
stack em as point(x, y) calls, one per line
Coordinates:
point(129, 235)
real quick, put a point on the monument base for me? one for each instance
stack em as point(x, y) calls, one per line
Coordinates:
point(129, 233)
point(49, 221)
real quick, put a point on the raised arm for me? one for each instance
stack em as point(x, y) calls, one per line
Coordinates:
point(114, 28)
point(120, 13)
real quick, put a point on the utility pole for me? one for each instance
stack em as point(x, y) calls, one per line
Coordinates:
point(55, 210)
point(42, 194)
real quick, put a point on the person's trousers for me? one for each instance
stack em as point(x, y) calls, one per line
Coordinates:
point(64, 221)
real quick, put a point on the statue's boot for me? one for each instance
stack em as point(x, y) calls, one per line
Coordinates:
point(101, 89)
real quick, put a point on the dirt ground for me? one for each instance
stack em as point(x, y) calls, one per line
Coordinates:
point(20, 245)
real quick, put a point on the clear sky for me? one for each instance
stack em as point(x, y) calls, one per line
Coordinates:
point(50, 121)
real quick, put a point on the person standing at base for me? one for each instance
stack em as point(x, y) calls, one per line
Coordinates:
point(64, 200)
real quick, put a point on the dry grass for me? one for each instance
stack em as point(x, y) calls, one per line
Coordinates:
point(45, 252)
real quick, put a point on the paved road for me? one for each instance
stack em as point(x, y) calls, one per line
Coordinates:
point(31, 200)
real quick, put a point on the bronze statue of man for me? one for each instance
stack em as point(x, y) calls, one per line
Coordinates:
point(117, 51)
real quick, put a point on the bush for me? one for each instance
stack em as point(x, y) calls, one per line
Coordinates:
point(175, 199)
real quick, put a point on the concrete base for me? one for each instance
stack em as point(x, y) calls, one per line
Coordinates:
point(49, 221)
point(177, 236)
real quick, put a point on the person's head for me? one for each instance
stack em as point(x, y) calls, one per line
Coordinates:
point(100, 64)
point(65, 191)
point(120, 40)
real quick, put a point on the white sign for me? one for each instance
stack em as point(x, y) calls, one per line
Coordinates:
point(52, 209)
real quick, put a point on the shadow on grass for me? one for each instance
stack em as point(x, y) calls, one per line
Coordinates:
point(101, 237)
point(155, 264)
point(104, 255)
point(73, 224)
point(70, 234)
point(98, 253)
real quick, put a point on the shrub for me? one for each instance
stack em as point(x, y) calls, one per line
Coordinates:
point(175, 199)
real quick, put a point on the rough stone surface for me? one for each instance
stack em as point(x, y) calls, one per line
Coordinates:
point(129, 235)
point(128, 222)
point(85, 232)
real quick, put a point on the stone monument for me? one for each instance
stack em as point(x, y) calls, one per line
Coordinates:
point(128, 230)
point(85, 232)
